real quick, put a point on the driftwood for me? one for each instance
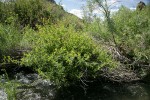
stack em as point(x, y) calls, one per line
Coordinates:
point(126, 71)
point(121, 74)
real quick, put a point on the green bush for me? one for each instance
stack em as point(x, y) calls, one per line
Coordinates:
point(98, 30)
point(130, 29)
point(134, 28)
point(9, 39)
point(65, 56)
point(30, 12)
point(7, 14)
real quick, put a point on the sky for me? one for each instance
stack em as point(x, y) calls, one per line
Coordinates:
point(75, 6)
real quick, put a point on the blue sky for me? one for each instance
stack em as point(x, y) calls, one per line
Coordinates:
point(74, 6)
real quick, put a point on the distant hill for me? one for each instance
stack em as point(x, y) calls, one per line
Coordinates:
point(34, 12)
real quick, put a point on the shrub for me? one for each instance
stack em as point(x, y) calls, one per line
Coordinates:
point(30, 12)
point(131, 34)
point(7, 14)
point(134, 28)
point(9, 39)
point(65, 56)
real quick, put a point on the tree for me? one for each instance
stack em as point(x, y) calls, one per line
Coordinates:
point(103, 6)
point(111, 29)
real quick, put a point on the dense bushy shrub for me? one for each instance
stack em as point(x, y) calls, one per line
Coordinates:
point(66, 56)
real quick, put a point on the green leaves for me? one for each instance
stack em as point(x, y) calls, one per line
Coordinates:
point(30, 13)
point(9, 39)
point(132, 27)
point(65, 56)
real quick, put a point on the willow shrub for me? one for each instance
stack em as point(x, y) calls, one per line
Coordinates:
point(65, 56)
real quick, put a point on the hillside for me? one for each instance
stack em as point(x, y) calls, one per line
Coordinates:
point(32, 13)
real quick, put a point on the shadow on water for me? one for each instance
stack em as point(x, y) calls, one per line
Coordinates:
point(106, 91)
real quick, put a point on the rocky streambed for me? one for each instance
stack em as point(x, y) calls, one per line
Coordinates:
point(117, 84)
point(30, 86)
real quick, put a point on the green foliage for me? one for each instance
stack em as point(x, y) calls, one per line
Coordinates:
point(66, 56)
point(128, 30)
point(62, 48)
point(9, 39)
point(10, 89)
point(109, 28)
point(74, 23)
point(98, 30)
point(134, 28)
point(30, 12)
point(9, 86)
point(29, 35)
point(6, 13)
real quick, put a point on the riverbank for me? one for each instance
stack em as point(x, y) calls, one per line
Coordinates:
point(29, 85)
point(33, 87)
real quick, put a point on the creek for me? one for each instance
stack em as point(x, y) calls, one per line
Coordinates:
point(36, 88)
